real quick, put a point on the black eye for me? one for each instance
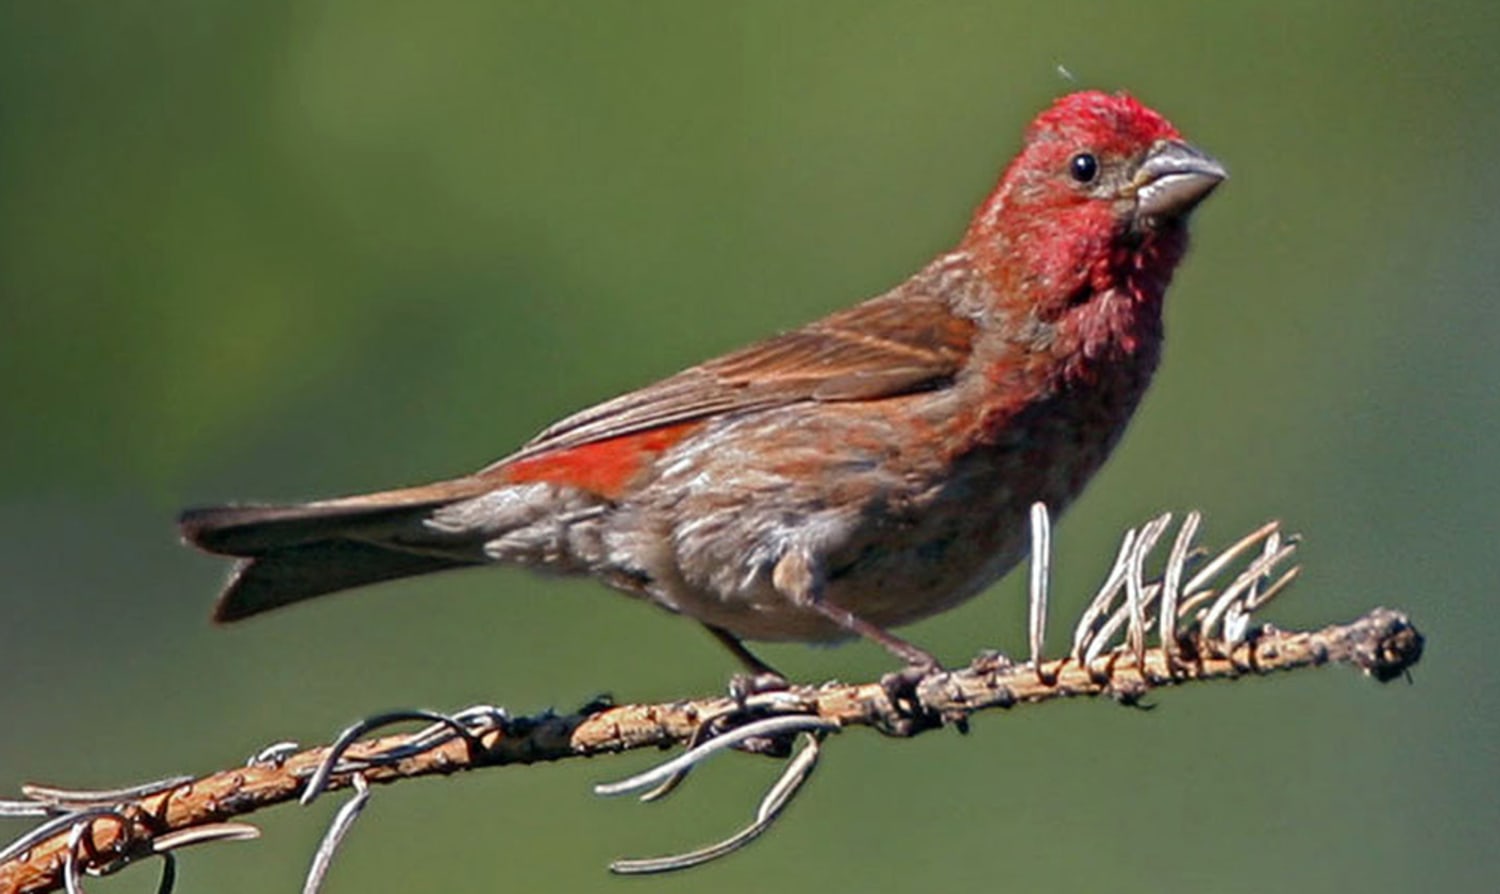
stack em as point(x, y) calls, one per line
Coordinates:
point(1084, 167)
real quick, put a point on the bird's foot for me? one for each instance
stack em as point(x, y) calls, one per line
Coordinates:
point(910, 713)
point(743, 686)
point(901, 686)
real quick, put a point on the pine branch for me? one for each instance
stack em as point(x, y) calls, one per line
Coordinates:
point(1202, 633)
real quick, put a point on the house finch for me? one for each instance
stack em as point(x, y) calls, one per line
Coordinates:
point(865, 471)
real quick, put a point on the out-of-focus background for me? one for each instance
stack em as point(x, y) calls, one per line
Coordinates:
point(284, 250)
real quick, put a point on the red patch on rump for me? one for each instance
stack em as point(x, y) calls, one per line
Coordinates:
point(603, 467)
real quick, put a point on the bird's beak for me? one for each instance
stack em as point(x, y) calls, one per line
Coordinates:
point(1172, 179)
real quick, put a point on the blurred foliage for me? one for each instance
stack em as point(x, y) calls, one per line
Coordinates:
point(293, 249)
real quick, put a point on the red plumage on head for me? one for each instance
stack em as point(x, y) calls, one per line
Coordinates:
point(1112, 121)
point(1041, 238)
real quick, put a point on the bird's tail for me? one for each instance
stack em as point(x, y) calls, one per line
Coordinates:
point(289, 553)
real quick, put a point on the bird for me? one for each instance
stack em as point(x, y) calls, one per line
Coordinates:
point(835, 481)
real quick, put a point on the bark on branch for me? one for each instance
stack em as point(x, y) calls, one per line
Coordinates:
point(101, 832)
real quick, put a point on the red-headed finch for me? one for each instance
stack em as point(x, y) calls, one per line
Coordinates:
point(867, 470)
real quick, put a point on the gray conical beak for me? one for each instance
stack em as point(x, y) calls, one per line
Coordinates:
point(1172, 179)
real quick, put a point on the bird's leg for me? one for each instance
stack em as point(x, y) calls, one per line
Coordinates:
point(761, 677)
point(796, 576)
point(749, 659)
point(918, 660)
point(900, 686)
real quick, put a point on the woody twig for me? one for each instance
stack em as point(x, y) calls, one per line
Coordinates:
point(1193, 621)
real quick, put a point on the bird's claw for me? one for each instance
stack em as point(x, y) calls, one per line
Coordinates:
point(901, 686)
point(743, 686)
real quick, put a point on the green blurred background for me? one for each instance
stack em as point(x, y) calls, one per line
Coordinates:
point(275, 250)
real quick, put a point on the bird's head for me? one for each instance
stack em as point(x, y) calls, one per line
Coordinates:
point(1102, 185)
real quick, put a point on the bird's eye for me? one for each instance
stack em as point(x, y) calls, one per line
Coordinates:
point(1084, 167)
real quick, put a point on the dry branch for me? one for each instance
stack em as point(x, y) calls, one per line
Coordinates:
point(1207, 637)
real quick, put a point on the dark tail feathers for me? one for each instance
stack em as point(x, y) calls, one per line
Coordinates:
point(296, 552)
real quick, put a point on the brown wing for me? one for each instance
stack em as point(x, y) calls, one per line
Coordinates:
point(891, 345)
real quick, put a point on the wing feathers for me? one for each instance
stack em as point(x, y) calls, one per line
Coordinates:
point(892, 345)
